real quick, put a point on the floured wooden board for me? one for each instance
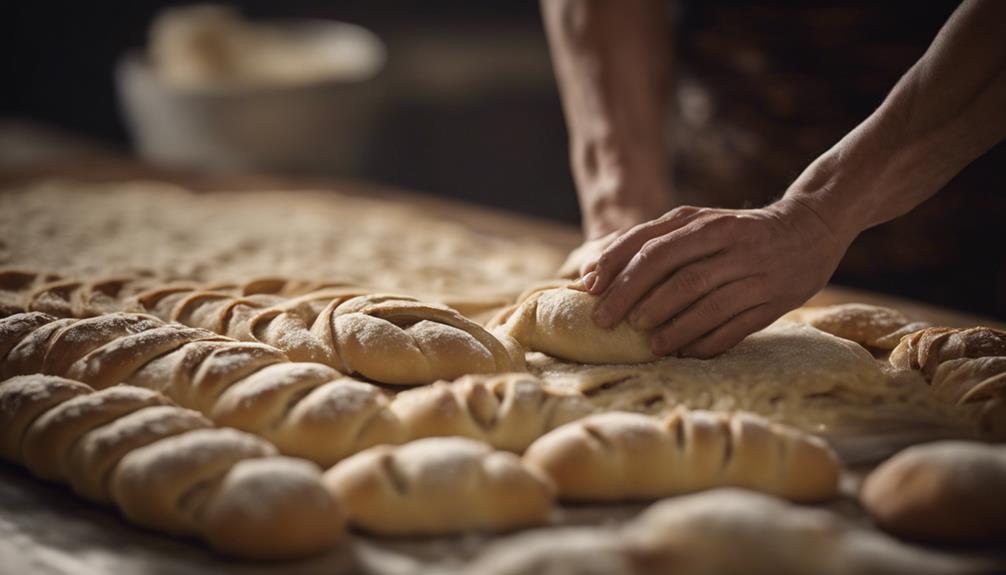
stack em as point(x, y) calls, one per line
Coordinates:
point(823, 384)
point(788, 372)
point(83, 230)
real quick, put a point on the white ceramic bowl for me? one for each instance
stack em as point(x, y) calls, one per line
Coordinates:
point(318, 126)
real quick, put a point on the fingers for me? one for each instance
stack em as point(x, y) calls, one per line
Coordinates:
point(684, 287)
point(621, 251)
point(705, 316)
point(731, 333)
point(651, 265)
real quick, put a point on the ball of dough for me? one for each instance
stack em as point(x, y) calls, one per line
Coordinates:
point(945, 492)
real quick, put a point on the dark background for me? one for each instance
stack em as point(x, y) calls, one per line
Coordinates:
point(763, 88)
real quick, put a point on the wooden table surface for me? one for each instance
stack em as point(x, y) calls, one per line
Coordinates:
point(45, 529)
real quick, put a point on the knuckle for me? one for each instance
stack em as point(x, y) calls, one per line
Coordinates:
point(682, 211)
point(691, 281)
point(711, 309)
point(637, 231)
point(648, 254)
point(605, 261)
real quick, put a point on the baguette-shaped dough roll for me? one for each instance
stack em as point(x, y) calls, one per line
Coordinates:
point(47, 442)
point(558, 322)
point(97, 453)
point(16, 287)
point(392, 339)
point(628, 456)
point(439, 485)
point(166, 468)
point(23, 290)
point(165, 485)
point(507, 411)
point(306, 409)
point(27, 349)
point(731, 530)
point(23, 400)
point(272, 508)
point(309, 410)
point(400, 340)
point(925, 350)
point(966, 367)
point(951, 492)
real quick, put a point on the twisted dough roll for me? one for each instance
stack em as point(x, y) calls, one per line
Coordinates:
point(29, 290)
point(24, 290)
point(390, 339)
point(926, 349)
point(308, 410)
point(557, 321)
point(439, 485)
point(874, 327)
point(506, 411)
point(167, 468)
point(966, 367)
point(627, 456)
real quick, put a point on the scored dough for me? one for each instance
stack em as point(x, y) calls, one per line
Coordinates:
point(629, 456)
point(439, 485)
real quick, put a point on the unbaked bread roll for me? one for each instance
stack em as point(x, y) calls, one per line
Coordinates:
point(399, 340)
point(24, 291)
point(945, 492)
point(32, 290)
point(166, 468)
point(925, 350)
point(627, 456)
point(507, 411)
point(872, 326)
point(738, 531)
point(965, 367)
point(390, 339)
point(343, 326)
point(439, 485)
point(734, 531)
point(308, 410)
point(558, 322)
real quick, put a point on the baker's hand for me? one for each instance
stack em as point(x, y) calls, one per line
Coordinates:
point(703, 279)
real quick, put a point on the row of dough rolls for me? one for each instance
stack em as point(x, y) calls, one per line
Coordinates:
point(306, 409)
point(311, 411)
point(168, 468)
point(386, 338)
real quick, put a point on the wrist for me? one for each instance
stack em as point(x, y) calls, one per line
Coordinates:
point(603, 218)
point(619, 190)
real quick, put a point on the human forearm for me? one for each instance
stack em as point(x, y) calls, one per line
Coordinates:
point(611, 62)
point(947, 110)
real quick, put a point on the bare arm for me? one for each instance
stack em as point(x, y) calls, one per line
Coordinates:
point(947, 110)
point(703, 279)
point(612, 62)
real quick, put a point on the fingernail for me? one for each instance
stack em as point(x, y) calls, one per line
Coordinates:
point(656, 348)
point(590, 280)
